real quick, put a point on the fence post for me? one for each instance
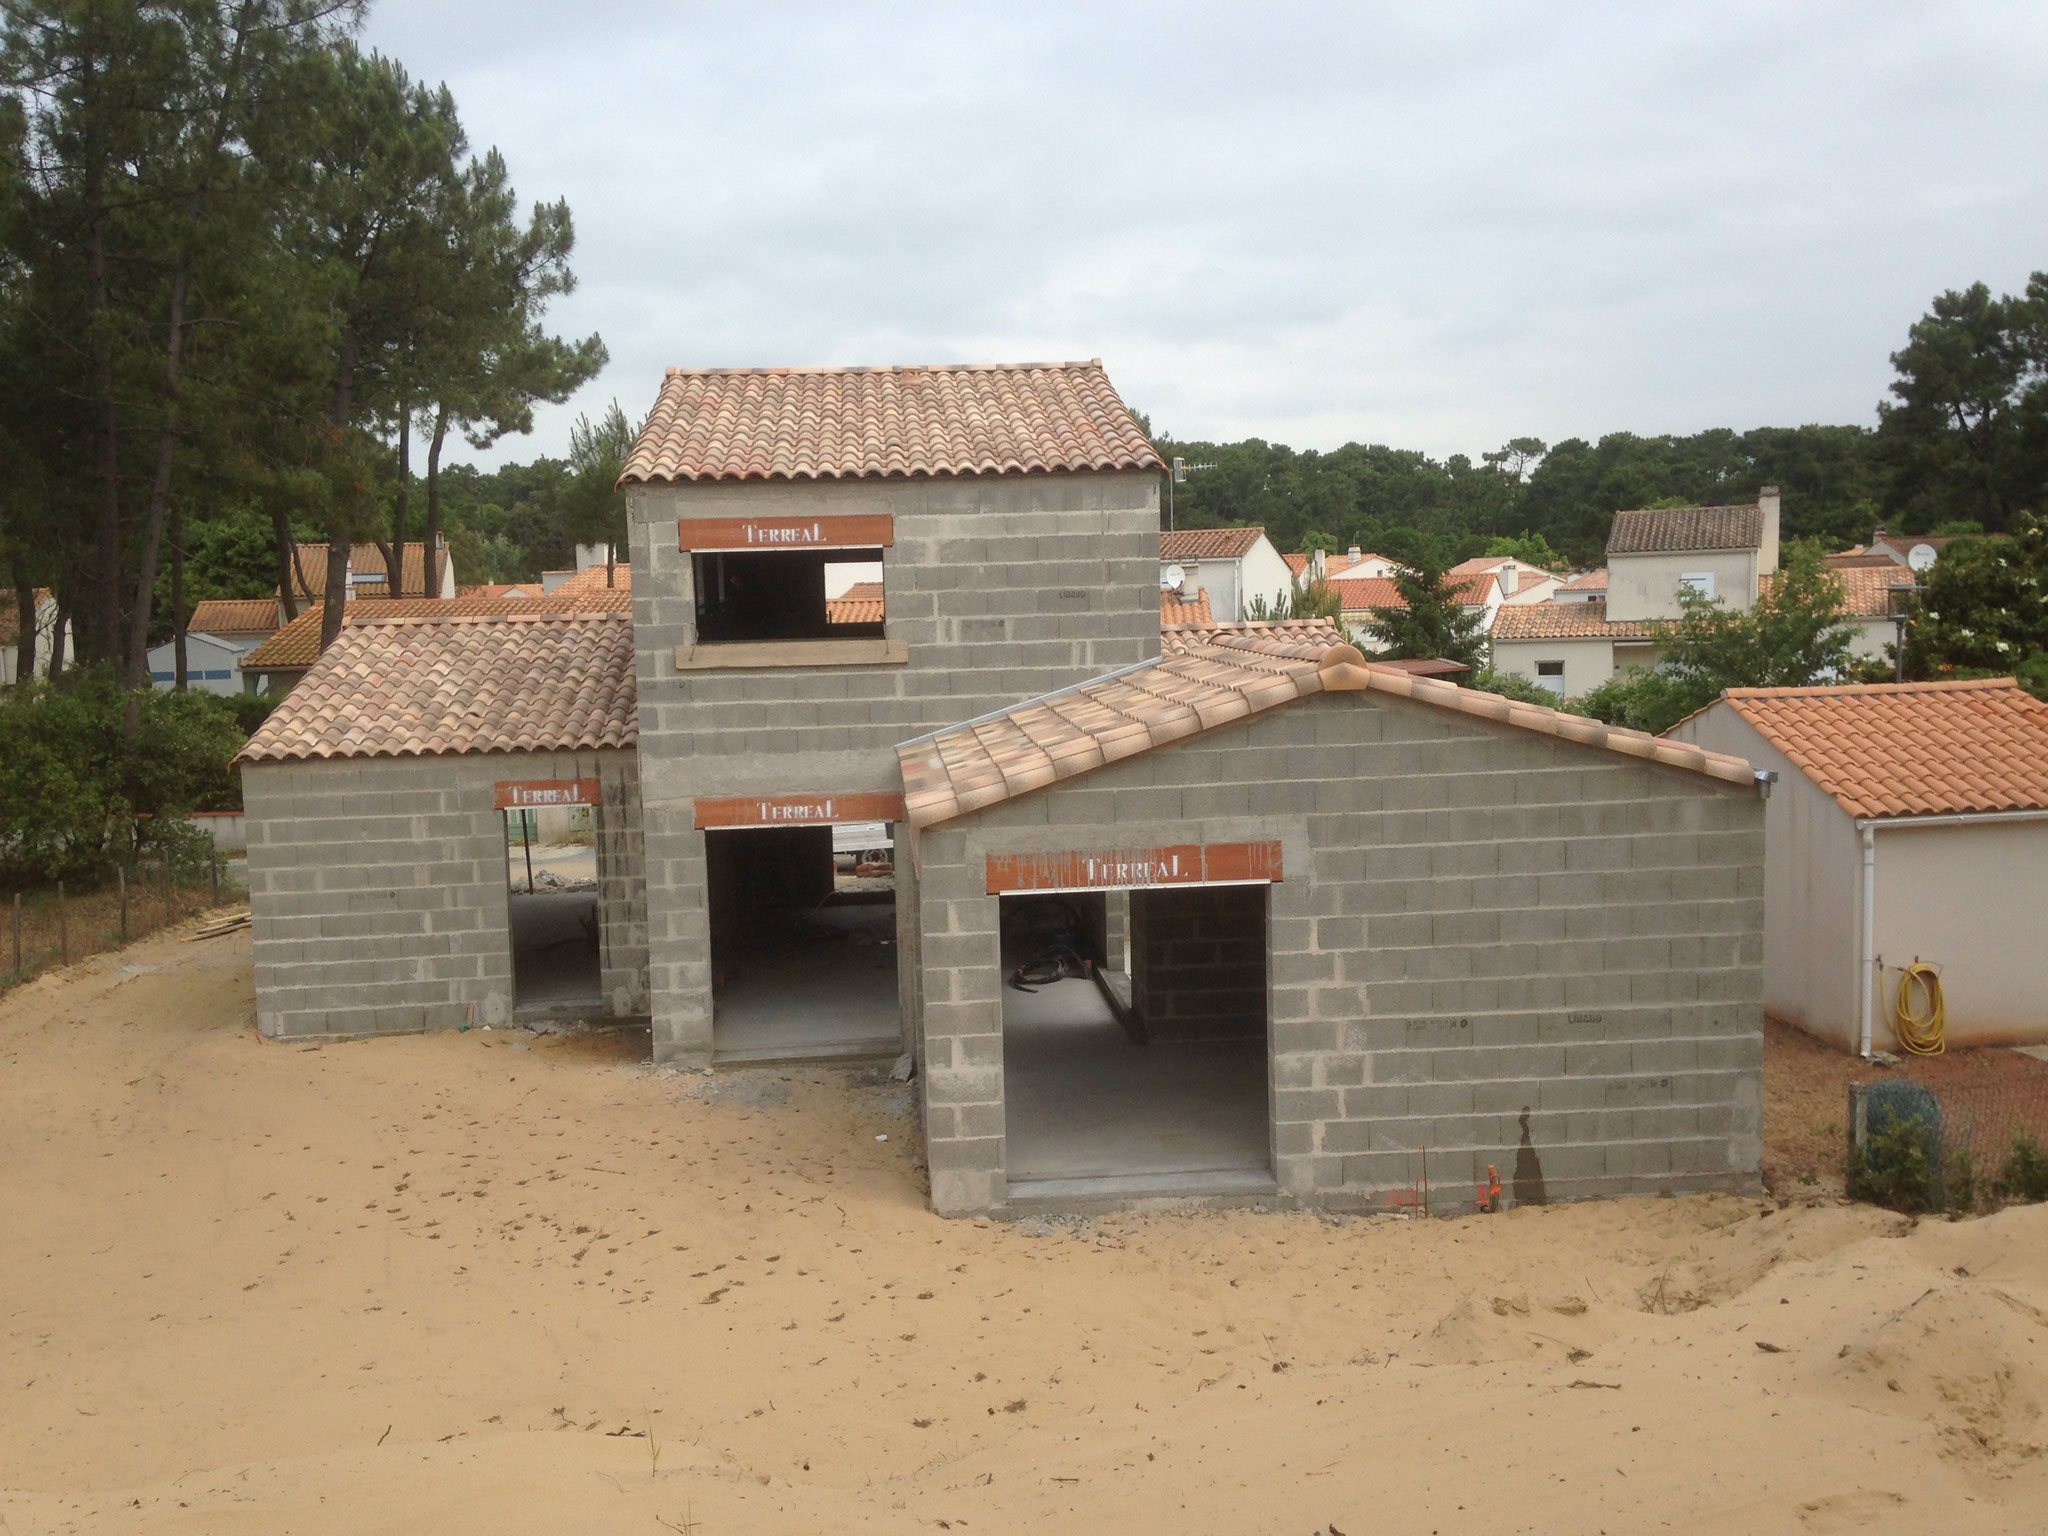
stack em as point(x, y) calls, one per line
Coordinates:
point(121, 878)
point(213, 872)
point(17, 936)
point(63, 929)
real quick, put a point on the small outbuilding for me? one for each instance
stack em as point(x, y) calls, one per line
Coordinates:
point(1258, 917)
point(1908, 825)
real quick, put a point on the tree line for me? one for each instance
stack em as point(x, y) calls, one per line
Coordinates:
point(1961, 445)
point(245, 266)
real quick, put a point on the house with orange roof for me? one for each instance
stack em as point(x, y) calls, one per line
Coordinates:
point(1908, 826)
point(1210, 910)
point(1574, 640)
point(1235, 566)
point(47, 636)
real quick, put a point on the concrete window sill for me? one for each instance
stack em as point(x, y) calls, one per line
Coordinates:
point(791, 653)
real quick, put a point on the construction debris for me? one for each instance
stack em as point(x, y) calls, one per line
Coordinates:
point(233, 923)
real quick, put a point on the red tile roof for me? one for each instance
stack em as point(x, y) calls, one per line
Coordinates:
point(1206, 679)
point(298, 643)
point(233, 615)
point(1587, 581)
point(1910, 749)
point(1297, 564)
point(1359, 593)
point(1569, 621)
point(1677, 530)
point(1209, 543)
point(501, 589)
point(591, 579)
point(309, 577)
point(1867, 590)
point(872, 423)
point(861, 603)
point(413, 687)
point(1174, 609)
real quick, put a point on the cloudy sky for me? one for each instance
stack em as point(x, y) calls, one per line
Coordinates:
point(1437, 226)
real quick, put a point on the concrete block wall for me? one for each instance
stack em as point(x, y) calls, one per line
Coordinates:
point(621, 886)
point(1475, 921)
point(1198, 963)
point(378, 889)
point(999, 588)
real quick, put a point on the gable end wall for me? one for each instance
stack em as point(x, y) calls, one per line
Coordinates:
point(1474, 921)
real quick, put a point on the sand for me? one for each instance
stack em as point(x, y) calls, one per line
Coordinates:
point(483, 1282)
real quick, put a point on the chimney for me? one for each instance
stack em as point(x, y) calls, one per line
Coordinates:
point(1316, 565)
point(1357, 554)
point(1767, 554)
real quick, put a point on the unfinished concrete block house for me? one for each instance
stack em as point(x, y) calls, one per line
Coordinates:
point(1203, 910)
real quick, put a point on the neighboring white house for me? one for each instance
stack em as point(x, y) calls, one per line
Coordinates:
point(46, 636)
point(1586, 587)
point(1909, 822)
point(1653, 556)
point(1234, 565)
point(1520, 582)
point(210, 663)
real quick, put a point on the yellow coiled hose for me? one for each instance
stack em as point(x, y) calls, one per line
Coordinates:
point(1921, 1028)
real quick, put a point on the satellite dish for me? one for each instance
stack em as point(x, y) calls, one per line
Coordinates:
point(1173, 576)
point(1920, 556)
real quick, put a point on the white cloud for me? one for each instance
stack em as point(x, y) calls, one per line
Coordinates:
point(1437, 228)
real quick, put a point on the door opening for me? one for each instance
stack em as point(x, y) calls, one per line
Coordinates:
point(551, 880)
point(803, 942)
point(1157, 1081)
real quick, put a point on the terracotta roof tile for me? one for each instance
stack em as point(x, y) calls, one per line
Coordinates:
point(415, 687)
point(861, 603)
point(1866, 590)
point(501, 589)
point(591, 579)
point(1676, 529)
point(1206, 678)
point(1359, 593)
point(863, 423)
point(1174, 609)
point(1209, 543)
point(310, 572)
point(1910, 749)
point(233, 615)
point(298, 643)
point(1569, 621)
point(1587, 581)
point(1297, 564)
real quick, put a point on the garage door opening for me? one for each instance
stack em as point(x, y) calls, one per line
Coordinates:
point(1150, 1082)
point(803, 943)
point(551, 878)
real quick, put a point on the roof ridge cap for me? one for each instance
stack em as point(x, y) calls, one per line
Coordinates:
point(673, 371)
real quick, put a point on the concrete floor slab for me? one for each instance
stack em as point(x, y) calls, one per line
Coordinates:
point(554, 953)
point(825, 990)
point(1085, 1101)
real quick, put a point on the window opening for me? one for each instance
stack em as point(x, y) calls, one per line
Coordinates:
point(787, 594)
point(1701, 582)
point(1550, 674)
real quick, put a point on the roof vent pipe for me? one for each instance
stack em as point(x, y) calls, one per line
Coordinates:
point(1765, 778)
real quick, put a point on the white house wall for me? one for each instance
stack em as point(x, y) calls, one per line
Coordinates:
point(1587, 663)
point(1646, 586)
point(1969, 900)
point(1813, 888)
point(1263, 573)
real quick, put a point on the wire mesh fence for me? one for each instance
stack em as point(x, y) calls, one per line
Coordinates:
point(1972, 1138)
point(53, 926)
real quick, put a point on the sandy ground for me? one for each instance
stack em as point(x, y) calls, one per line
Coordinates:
point(486, 1283)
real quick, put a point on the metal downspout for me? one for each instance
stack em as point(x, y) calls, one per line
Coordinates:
point(1869, 958)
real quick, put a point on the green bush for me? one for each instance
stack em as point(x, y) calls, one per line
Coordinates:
point(74, 777)
point(1508, 686)
point(1897, 1167)
point(2025, 1175)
